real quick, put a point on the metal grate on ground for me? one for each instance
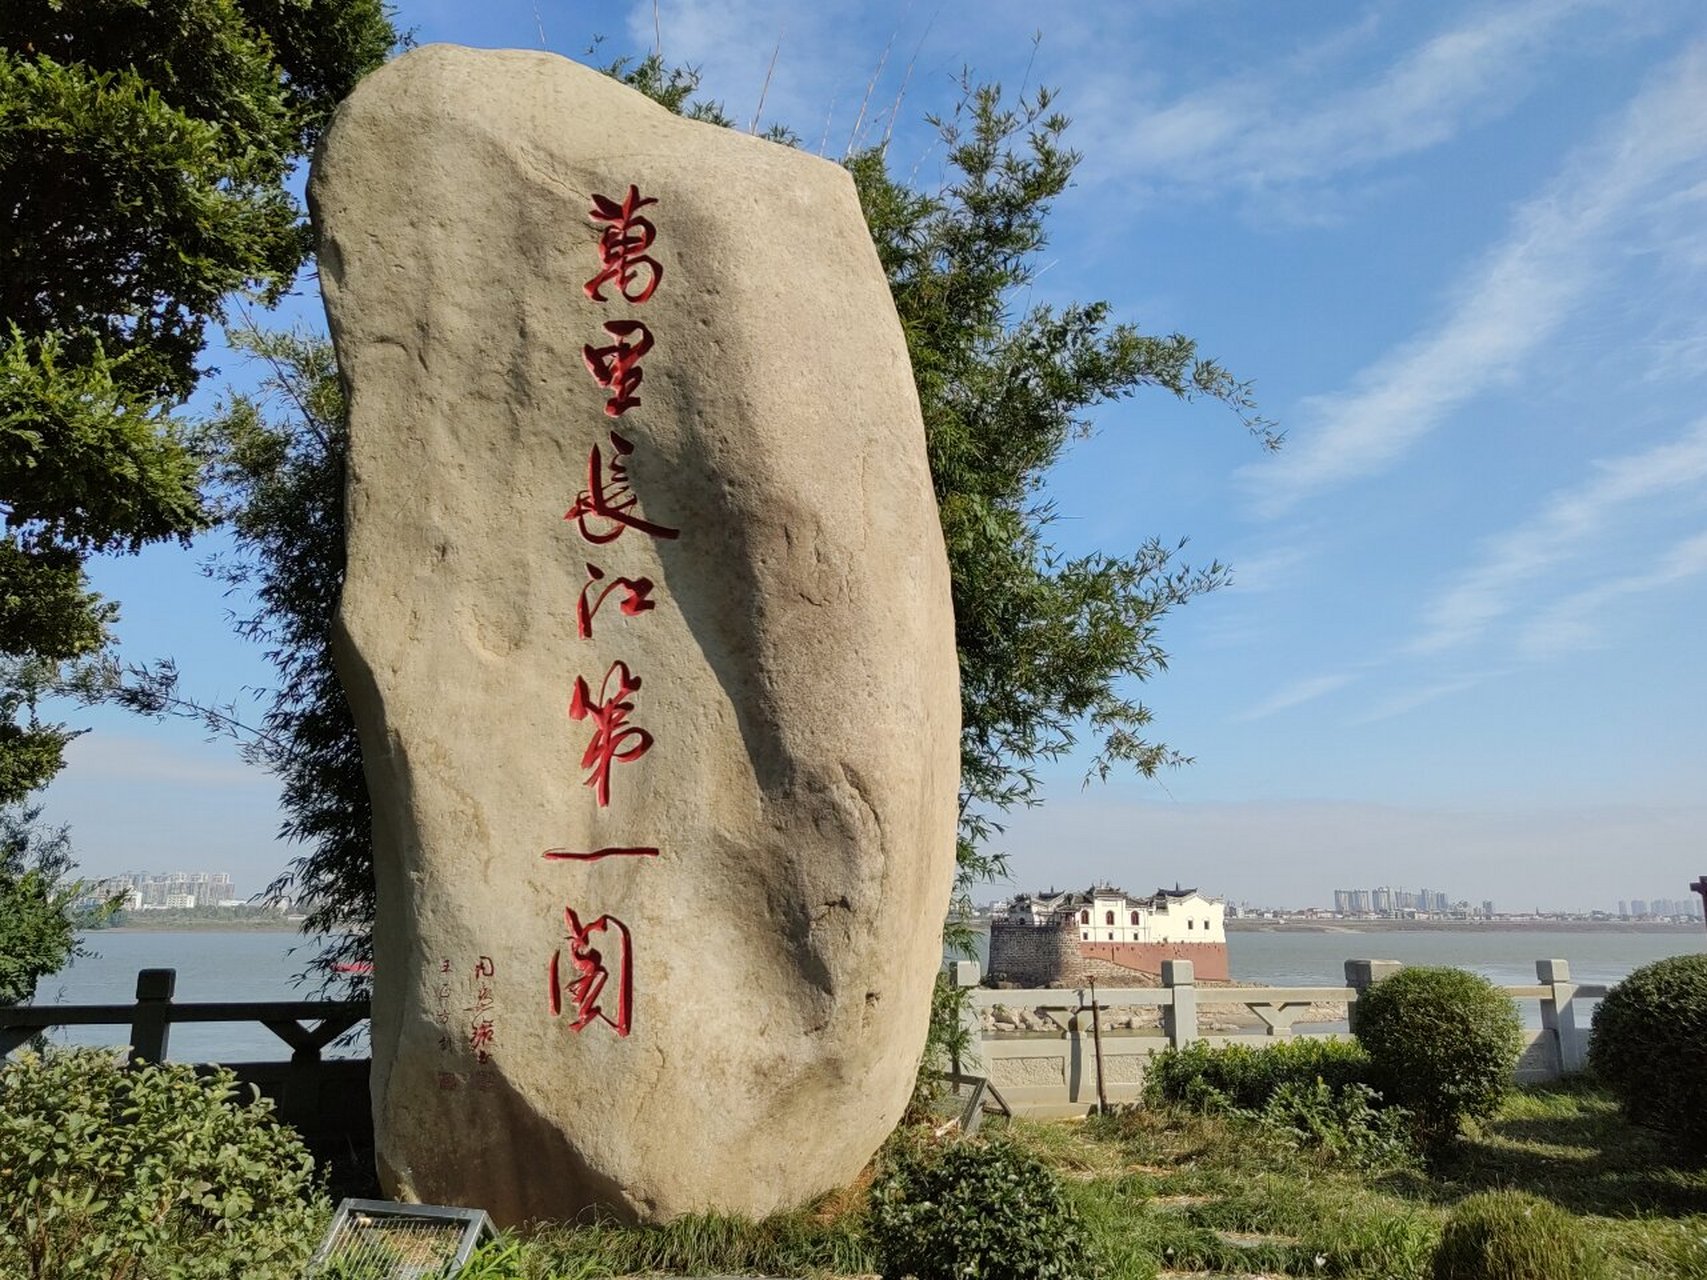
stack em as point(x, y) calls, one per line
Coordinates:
point(385, 1240)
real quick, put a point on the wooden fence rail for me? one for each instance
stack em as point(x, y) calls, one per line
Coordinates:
point(151, 1017)
point(325, 1098)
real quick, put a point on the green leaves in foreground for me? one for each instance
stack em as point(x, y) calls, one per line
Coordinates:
point(39, 918)
point(128, 1172)
point(990, 1210)
point(144, 154)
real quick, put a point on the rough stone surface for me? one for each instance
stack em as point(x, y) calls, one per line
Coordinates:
point(797, 670)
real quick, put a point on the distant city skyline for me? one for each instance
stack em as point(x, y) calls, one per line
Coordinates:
point(1388, 900)
point(168, 889)
point(1665, 907)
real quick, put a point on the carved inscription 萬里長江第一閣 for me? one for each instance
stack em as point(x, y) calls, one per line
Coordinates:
point(602, 512)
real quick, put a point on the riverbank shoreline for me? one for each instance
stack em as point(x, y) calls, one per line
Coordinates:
point(274, 925)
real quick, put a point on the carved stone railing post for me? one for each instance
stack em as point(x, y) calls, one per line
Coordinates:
point(1559, 1014)
point(1180, 1016)
point(966, 974)
point(1360, 975)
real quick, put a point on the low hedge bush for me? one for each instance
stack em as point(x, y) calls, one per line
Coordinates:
point(1306, 1095)
point(124, 1172)
point(1443, 1044)
point(1246, 1078)
point(1649, 1044)
point(974, 1210)
point(1509, 1235)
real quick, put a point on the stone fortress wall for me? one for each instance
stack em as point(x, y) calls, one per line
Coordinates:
point(1052, 954)
point(1108, 960)
point(1036, 955)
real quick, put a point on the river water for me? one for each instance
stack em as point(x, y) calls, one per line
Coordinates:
point(258, 965)
point(254, 964)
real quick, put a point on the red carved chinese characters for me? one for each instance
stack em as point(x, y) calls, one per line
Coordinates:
point(480, 1028)
point(479, 1025)
point(611, 501)
point(590, 974)
point(617, 367)
point(622, 248)
point(598, 984)
point(613, 851)
point(638, 601)
point(614, 739)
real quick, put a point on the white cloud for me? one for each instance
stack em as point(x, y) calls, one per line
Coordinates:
point(1274, 569)
point(1680, 352)
point(1566, 522)
point(1398, 704)
point(1571, 623)
point(1297, 693)
point(825, 58)
point(1265, 130)
point(1512, 303)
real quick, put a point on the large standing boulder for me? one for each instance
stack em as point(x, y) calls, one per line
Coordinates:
point(647, 631)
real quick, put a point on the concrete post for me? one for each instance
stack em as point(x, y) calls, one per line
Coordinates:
point(1559, 1014)
point(1180, 1016)
point(150, 1022)
point(966, 974)
point(1360, 975)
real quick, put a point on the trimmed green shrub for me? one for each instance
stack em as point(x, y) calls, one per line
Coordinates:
point(974, 1211)
point(1650, 1046)
point(1443, 1044)
point(118, 1172)
point(1509, 1235)
point(1246, 1078)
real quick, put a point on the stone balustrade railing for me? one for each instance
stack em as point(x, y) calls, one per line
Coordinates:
point(1076, 1045)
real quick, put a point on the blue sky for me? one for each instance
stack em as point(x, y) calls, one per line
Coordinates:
point(1460, 248)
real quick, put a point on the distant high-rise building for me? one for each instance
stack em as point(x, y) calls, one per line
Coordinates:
point(1623, 907)
point(1638, 907)
point(174, 888)
point(1384, 900)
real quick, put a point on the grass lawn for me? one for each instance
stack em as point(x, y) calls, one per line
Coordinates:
point(1173, 1194)
point(1188, 1196)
